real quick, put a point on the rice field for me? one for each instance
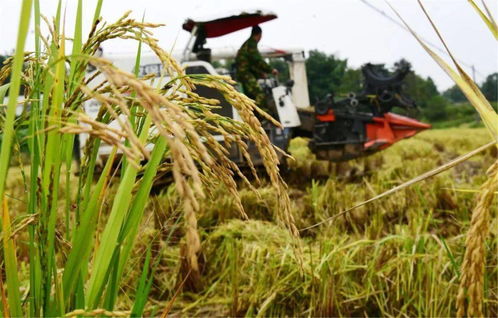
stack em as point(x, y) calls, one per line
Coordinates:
point(79, 239)
point(397, 256)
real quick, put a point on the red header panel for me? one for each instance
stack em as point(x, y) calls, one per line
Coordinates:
point(219, 27)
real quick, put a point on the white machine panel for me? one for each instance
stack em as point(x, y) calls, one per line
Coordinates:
point(287, 111)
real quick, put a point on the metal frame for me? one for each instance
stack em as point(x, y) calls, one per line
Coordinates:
point(190, 44)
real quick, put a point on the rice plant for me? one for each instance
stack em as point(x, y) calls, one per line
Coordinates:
point(82, 269)
point(348, 239)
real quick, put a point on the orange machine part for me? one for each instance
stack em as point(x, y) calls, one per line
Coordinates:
point(328, 117)
point(385, 131)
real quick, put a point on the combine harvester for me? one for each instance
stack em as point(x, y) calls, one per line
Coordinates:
point(339, 129)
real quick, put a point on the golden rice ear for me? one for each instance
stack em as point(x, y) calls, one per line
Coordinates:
point(470, 294)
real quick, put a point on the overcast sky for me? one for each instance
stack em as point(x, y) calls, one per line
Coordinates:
point(347, 28)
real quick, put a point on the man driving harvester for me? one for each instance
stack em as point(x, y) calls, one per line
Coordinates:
point(250, 67)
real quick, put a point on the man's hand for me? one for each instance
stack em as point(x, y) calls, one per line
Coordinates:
point(274, 72)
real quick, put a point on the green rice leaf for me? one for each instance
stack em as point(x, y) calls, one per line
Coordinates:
point(77, 44)
point(131, 226)
point(3, 90)
point(85, 232)
point(143, 289)
point(98, 8)
point(109, 239)
point(8, 129)
point(15, 85)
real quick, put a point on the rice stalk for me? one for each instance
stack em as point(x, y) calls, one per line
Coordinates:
point(35, 157)
point(143, 289)
point(98, 8)
point(10, 259)
point(486, 18)
point(52, 166)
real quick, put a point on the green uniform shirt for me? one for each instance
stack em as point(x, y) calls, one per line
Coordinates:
point(249, 61)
